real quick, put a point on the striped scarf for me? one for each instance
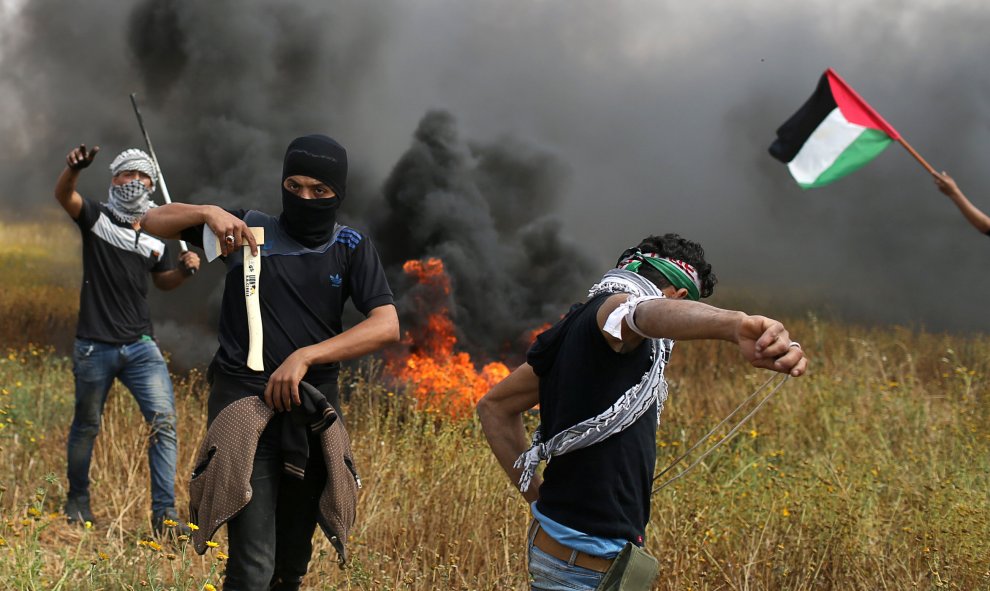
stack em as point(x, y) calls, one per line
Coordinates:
point(633, 404)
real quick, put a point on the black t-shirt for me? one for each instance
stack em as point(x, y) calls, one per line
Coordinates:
point(302, 292)
point(604, 489)
point(113, 301)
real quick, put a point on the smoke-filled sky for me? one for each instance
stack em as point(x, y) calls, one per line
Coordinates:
point(580, 127)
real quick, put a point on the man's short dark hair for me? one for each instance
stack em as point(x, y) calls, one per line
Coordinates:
point(675, 247)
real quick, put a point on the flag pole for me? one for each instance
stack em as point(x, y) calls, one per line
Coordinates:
point(916, 155)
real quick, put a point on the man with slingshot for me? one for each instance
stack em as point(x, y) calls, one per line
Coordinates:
point(114, 336)
point(598, 378)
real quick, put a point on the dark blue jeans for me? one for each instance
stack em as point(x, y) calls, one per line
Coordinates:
point(271, 540)
point(141, 368)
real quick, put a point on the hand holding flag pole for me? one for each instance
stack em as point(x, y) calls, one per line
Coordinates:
point(833, 134)
point(161, 177)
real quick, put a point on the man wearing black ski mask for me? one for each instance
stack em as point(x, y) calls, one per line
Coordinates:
point(310, 266)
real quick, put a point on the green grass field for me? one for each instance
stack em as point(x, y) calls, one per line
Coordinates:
point(872, 472)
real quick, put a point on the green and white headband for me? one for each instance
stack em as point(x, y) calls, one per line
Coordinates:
point(680, 274)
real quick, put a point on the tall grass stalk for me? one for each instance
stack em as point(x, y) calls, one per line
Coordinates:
point(870, 473)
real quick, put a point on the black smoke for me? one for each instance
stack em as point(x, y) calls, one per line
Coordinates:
point(657, 116)
point(486, 210)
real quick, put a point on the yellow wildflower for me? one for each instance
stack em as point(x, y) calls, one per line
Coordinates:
point(785, 512)
point(221, 555)
point(192, 526)
point(3, 542)
point(212, 544)
point(154, 545)
point(754, 433)
point(88, 525)
point(103, 555)
point(34, 512)
point(170, 523)
point(209, 587)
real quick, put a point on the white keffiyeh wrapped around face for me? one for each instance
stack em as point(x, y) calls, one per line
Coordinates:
point(634, 403)
point(130, 201)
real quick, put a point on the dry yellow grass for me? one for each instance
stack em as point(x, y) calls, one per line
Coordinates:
point(870, 473)
point(41, 272)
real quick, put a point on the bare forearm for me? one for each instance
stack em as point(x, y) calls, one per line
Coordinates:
point(65, 191)
point(169, 220)
point(169, 280)
point(506, 435)
point(973, 214)
point(687, 320)
point(368, 336)
point(501, 411)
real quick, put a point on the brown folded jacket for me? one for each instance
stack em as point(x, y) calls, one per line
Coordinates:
point(221, 484)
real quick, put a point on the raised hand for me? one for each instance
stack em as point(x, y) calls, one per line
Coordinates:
point(80, 158)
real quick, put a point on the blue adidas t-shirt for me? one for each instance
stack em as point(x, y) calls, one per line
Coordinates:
point(302, 292)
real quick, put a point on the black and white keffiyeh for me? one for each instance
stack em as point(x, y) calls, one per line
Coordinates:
point(632, 405)
point(137, 160)
point(130, 201)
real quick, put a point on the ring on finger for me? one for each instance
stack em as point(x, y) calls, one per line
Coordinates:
point(229, 238)
point(794, 344)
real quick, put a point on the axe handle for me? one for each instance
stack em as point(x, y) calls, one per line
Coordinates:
point(252, 276)
point(252, 301)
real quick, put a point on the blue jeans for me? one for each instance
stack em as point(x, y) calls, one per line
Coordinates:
point(141, 368)
point(547, 573)
point(271, 539)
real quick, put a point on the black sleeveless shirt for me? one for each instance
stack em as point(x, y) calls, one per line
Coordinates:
point(602, 490)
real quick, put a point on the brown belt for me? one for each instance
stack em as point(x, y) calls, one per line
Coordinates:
point(561, 552)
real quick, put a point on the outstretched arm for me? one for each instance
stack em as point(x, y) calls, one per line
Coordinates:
point(65, 186)
point(763, 342)
point(168, 221)
point(501, 411)
point(379, 329)
point(946, 184)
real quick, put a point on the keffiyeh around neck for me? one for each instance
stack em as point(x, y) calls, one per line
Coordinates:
point(629, 407)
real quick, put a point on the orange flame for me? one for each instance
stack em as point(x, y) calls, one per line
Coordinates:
point(441, 379)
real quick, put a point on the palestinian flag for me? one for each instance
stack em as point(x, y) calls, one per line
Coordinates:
point(831, 135)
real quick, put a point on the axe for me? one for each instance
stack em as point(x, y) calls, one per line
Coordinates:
point(252, 283)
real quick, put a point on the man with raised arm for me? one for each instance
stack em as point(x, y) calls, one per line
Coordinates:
point(114, 336)
point(598, 378)
point(275, 461)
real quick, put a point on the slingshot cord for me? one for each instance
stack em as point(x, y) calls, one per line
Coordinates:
point(727, 436)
